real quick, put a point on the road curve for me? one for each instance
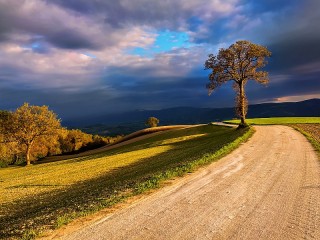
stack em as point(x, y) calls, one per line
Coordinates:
point(269, 188)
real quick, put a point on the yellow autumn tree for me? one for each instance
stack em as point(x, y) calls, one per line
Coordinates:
point(30, 123)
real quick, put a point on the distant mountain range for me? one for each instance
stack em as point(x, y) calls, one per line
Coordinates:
point(127, 122)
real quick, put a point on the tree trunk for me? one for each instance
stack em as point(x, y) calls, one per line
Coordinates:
point(28, 154)
point(242, 104)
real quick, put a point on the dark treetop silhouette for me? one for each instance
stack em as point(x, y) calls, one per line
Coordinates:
point(152, 122)
point(238, 63)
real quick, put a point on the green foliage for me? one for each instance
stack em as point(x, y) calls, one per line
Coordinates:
point(277, 120)
point(152, 122)
point(73, 140)
point(3, 164)
point(55, 193)
point(4, 118)
point(7, 153)
point(30, 234)
point(64, 219)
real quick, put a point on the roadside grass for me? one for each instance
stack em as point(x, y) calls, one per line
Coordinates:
point(50, 195)
point(311, 132)
point(308, 126)
point(277, 120)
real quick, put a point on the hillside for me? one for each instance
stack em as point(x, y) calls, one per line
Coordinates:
point(129, 122)
point(51, 194)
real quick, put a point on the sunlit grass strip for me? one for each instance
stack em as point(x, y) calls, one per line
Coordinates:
point(150, 130)
point(277, 120)
point(157, 179)
point(31, 234)
point(45, 178)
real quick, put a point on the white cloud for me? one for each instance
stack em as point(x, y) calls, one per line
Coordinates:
point(297, 98)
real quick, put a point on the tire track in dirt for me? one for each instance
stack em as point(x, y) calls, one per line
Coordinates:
point(269, 188)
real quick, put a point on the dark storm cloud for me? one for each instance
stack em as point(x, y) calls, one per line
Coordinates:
point(291, 53)
point(65, 104)
point(60, 28)
point(295, 85)
point(263, 6)
point(86, 7)
point(96, 102)
point(160, 14)
point(156, 13)
point(296, 41)
point(72, 40)
point(119, 13)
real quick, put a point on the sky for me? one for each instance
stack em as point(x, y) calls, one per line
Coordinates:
point(92, 57)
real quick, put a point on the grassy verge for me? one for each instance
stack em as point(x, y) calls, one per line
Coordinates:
point(277, 120)
point(50, 195)
point(311, 132)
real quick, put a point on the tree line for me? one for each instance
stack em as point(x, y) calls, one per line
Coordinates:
point(34, 132)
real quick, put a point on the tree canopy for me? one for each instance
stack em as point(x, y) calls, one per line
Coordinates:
point(152, 122)
point(238, 63)
point(33, 132)
point(29, 123)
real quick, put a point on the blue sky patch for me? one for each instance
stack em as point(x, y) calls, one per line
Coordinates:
point(165, 42)
point(89, 55)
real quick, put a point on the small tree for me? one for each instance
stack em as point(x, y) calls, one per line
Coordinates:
point(30, 123)
point(152, 122)
point(238, 63)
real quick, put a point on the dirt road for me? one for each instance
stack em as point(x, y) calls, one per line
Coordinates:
point(269, 188)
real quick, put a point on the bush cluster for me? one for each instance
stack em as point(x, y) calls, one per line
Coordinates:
point(34, 132)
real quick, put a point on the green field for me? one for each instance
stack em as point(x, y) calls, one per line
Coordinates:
point(49, 195)
point(277, 120)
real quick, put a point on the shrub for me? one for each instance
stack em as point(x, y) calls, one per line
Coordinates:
point(152, 122)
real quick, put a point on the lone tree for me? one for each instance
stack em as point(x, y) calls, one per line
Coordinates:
point(152, 122)
point(29, 123)
point(238, 63)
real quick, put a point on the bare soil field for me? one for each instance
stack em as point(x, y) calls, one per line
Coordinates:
point(312, 129)
point(268, 188)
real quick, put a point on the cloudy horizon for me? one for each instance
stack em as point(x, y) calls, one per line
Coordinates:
point(85, 57)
